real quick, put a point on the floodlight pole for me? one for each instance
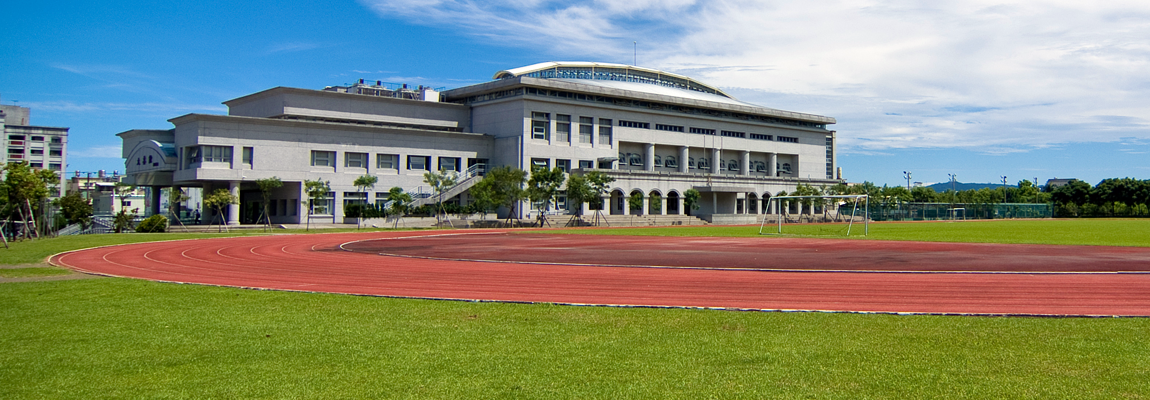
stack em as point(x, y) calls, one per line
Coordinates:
point(907, 175)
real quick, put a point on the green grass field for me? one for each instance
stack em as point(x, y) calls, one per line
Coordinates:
point(114, 337)
point(1096, 232)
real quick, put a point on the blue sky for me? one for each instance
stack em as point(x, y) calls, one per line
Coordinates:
point(979, 89)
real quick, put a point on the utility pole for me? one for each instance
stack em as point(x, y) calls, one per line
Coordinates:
point(1004, 192)
point(953, 191)
point(907, 175)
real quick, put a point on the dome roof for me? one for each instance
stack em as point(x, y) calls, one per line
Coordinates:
point(608, 72)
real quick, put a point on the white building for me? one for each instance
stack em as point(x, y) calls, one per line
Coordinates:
point(658, 134)
point(39, 146)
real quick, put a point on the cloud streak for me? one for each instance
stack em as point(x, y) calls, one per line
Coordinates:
point(995, 77)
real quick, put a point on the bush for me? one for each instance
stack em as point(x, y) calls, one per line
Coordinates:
point(363, 211)
point(154, 224)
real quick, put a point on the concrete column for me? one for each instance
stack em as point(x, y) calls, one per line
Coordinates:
point(649, 157)
point(626, 204)
point(715, 154)
point(684, 154)
point(155, 199)
point(663, 203)
point(234, 209)
point(714, 203)
point(646, 209)
point(746, 163)
point(773, 164)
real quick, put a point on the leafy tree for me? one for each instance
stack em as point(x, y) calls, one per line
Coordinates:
point(267, 185)
point(76, 209)
point(25, 189)
point(543, 187)
point(691, 199)
point(219, 200)
point(505, 188)
point(482, 197)
point(635, 202)
point(655, 204)
point(363, 184)
point(317, 191)
point(440, 181)
point(123, 221)
point(399, 202)
point(1072, 196)
point(923, 194)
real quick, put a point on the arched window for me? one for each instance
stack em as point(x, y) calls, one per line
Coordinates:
point(658, 161)
point(671, 162)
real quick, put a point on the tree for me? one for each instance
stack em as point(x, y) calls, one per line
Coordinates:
point(923, 194)
point(505, 186)
point(26, 189)
point(363, 184)
point(691, 199)
point(267, 185)
point(635, 202)
point(543, 187)
point(317, 191)
point(655, 204)
point(176, 196)
point(219, 200)
point(399, 201)
point(439, 182)
point(76, 209)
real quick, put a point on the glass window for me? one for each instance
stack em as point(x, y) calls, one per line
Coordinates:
point(15, 137)
point(563, 128)
point(604, 131)
point(38, 138)
point(732, 165)
point(670, 162)
point(355, 160)
point(586, 129)
point(586, 164)
point(322, 158)
point(37, 151)
point(387, 161)
point(658, 161)
point(539, 125)
point(691, 162)
point(57, 140)
point(216, 153)
point(36, 165)
point(449, 164)
point(540, 163)
point(247, 155)
point(563, 165)
point(418, 162)
point(323, 205)
point(635, 158)
point(54, 167)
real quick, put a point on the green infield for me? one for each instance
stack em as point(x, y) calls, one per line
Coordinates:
point(127, 338)
point(1097, 232)
point(32, 272)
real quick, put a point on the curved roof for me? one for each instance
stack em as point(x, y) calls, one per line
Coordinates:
point(608, 72)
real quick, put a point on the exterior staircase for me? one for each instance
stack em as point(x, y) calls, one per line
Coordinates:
point(466, 180)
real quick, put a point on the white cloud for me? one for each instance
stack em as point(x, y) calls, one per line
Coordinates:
point(992, 76)
point(291, 47)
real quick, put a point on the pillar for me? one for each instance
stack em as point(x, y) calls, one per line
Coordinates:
point(626, 198)
point(684, 154)
point(155, 199)
point(646, 209)
point(773, 164)
point(649, 158)
point(746, 169)
point(663, 203)
point(715, 154)
point(234, 209)
point(714, 202)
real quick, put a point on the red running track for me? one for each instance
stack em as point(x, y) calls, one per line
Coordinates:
point(317, 263)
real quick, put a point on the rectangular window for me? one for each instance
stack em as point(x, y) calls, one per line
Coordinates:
point(586, 129)
point(323, 205)
point(563, 165)
point(734, 134)
point(54, 167)
point(586, 164)
point(419, 162)
point(540, 163)
point(36, 165)
point(605, 131)
point(37, 151)
point(788, 139)
point(703, 131)
point(633, 124)
point(540, 122)
point(38, 138)
point(671, 162)
point(57, 140)
point(354, 198)
point(449, 164)
point(216, 153)
point(387, 161)
point(658, 160)
point(758, 136)
point(322, 158)
point(563, 128)
point(355, 160)
point(247, 155)
point(15, 137)
point(669, 128)
point(381, 199)
point(15, 150)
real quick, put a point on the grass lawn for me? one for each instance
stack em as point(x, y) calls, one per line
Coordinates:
point(114, 337)
point(32, 272)
point(127, 338)
point(1099, 232)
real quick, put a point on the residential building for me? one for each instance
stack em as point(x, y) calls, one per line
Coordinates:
point(41, 147)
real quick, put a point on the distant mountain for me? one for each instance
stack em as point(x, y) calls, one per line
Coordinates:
point(959, 186)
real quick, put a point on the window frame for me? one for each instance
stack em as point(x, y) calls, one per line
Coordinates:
point(328, 159)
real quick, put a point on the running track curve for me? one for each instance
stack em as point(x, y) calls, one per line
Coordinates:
point(318, 263)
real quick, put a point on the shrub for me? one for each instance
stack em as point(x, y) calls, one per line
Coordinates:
point(154, 224)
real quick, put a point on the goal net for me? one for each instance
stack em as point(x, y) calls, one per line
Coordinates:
point(833, 215)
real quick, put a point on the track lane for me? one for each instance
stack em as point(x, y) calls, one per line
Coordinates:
point(316, 263)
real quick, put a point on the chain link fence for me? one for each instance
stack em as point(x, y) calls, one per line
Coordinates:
point(956, 211)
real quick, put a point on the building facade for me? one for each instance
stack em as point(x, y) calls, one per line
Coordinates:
point(657, 134)
point(41, 147)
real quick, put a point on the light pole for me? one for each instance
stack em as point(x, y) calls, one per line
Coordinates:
point(907, 175)
point(1004, 192)
point(953, 191)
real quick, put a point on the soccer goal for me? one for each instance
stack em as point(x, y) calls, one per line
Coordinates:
point(832, 212)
